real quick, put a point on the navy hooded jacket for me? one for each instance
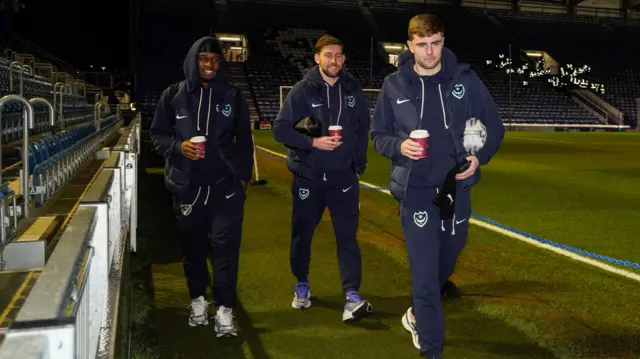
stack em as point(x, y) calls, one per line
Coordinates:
point(442, 104)
point(341, 104)
point(218, 112)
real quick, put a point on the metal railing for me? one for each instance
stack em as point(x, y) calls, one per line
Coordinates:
point(72, 310)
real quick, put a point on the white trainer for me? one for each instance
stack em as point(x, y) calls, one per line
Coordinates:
point(224, 327)
point(199, 312)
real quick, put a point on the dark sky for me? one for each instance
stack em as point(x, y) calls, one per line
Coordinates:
point(82, 33)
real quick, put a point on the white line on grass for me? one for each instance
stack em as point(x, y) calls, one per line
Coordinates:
point(564, 252)
point(544, 140)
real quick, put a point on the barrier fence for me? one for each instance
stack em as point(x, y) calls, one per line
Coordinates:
point(72, 310)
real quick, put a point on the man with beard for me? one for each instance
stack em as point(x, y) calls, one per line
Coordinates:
point(431, 91)
point(207, 177)
point(326, 167)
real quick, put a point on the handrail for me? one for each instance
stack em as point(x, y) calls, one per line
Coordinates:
point(74, 305)
point(611, 110)
point(28, 67)
point(96, 114)
point(40, 65)
point(27, 124)
point(15, 64)
point(55, 89)
point(52, 114)
point(592, 100)
point(80, 84)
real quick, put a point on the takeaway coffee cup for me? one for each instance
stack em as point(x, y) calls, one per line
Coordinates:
point(200, 141)
point(422, 138)
point(335, 130)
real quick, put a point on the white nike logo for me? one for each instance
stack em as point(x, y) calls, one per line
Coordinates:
point(403, 101)
point(231, 195)
point(316, 104)
point(346, 189)
point(179, 117)
point(458, 222)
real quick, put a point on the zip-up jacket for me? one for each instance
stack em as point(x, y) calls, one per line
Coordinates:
point(441, 104)
point(341, 104)
point(218, 112)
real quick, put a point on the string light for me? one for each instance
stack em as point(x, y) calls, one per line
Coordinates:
point(569, 75)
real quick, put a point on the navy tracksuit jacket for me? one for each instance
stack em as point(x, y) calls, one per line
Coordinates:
point(325, 178)
point(441, 103)
point(208, 195)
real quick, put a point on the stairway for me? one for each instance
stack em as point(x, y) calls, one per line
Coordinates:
point(366, 12)
point(223, 15)
point(236, 69)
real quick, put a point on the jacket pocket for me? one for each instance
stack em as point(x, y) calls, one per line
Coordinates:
point(303, 163)
point(398, 181)
point(176, 179)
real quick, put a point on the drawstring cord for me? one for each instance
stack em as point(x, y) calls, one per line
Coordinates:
point(186, 209)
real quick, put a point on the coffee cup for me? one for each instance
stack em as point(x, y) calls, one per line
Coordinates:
point(422, 138)
point(200, 142)
point(335, 131)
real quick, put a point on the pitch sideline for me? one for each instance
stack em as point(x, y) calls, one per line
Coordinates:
point(563, 252)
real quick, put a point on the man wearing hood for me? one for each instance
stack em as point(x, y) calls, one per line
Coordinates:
point(432, 91)
point(326, 168)
point(208, 187)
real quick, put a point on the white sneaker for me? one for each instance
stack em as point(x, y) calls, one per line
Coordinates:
point(224, 327)
point(410, 326)
point(199, 312)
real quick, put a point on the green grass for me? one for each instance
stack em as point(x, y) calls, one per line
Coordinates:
point(579, 189)
point(521, 301)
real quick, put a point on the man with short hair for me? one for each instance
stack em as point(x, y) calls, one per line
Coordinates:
point(207, 179)
point(431, 91)
point(326, 168)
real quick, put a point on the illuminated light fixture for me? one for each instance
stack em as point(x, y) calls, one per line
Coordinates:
point(236, 48)
point(534, 54)
point(393, 47)
point(229, 38)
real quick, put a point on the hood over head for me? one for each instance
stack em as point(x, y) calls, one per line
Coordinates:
point(190, 65)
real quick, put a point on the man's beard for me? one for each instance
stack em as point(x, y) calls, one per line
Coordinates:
point(325, 70)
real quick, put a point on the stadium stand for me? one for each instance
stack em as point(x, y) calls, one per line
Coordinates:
point(280, 54)
point(73, 203)
point(609, 53)
point(72, 242)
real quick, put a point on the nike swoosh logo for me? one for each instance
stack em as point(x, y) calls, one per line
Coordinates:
point(346, 189)
point(458, 222)
point(403, 101)
point(316, 104)
point(231, 195)
point(179, 117)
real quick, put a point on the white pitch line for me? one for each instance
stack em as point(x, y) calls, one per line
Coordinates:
point(543, 140)
point(564, 252)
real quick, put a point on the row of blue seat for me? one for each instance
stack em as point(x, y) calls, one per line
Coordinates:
point(48, 147)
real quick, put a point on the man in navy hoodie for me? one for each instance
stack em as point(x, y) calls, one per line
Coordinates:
point(326, 168)
point(432, 91)
point(208, 188)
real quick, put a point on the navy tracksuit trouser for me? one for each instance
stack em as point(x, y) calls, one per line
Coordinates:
point(210, 220)
point(433, 246)
point(339, 191)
